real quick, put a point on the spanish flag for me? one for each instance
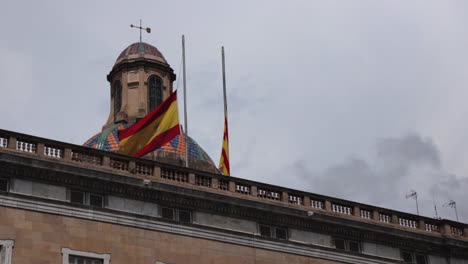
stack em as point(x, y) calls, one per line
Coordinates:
point(152, 131)
point(224, 160)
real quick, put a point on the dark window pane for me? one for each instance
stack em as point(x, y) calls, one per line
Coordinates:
point(96, 200)
point(167, 213)
point(184, 216)
point(407, 258)
point(353, 246)
point(420, 259)
point(117, 98)
point(77, 197)
point(154, 92)
point(340, 244)
point(265, 231)
point(4, 185)
point(281, 233)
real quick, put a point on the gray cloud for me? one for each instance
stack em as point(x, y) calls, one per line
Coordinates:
point(399, 165)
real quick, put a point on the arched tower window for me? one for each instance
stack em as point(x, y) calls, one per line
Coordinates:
point(155, 95)
point(117, 98)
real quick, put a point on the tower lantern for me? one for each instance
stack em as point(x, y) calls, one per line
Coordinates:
point(139, 81)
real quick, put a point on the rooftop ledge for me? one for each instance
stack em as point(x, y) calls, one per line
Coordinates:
point(61, 152)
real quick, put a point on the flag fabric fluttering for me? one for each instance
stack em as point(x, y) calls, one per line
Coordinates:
point(153, 131)
point(224, 160)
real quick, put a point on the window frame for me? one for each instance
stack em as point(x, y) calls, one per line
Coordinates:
point(347, 243)
point(7, 184)
point(86, 198)
point(66, 252)
point(176, 214)
point(414, 256)
point(6, 250)
point(273, 231)
point(158, 91)
point(117, 102)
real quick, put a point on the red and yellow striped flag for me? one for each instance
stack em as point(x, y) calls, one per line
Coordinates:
point(224, 160)
point(153, 131)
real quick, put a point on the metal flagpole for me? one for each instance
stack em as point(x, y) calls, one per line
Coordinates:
point(224, 82)
point(417, 206)
point(185, 102)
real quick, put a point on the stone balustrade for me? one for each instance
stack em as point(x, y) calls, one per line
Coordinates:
point(160, 172)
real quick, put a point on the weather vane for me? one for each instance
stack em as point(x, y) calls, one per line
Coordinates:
point(141, 28)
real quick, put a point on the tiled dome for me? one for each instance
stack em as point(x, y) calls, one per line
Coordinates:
point(109, 140)
point(141, 47)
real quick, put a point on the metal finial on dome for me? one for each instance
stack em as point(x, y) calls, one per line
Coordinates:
point(141, 28)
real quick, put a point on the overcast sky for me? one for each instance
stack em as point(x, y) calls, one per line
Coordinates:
point(362, 100)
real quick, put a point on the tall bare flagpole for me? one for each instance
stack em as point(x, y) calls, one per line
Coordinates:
point(185, 102)
point(224, 82)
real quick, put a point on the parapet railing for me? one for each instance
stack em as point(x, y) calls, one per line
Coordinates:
point(157, 171)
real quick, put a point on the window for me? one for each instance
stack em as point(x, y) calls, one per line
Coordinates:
point(4, 185)
point(167, 213)
point(154, 92)
point(273, 232)
point(353, 246)
point(83, 260)
point(96, 200)
point(176, 215)
point(265, 231)
point(117, 98)
point(92, 199)
point(340, 244)
point(281, 233)
point(413, 258)
point(77, 197)
point(6, 251)
point(185, 217)
point(348, 245)
point(71, 256)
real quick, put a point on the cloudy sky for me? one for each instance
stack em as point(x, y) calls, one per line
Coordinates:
point(363, 100)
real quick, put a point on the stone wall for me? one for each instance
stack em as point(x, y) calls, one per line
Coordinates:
point(41, 237)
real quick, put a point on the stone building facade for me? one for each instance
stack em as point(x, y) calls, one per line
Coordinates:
point(63, 203)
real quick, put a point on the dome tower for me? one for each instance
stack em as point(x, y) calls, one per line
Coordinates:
point(140, 80)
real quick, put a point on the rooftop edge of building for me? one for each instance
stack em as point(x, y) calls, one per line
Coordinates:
point(149, 170)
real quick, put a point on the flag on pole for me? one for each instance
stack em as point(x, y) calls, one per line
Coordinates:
point(224, 160)
point(153, 131)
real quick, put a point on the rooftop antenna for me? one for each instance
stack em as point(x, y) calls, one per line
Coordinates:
point(452, 204)
point(141, 28)
point(414, 195)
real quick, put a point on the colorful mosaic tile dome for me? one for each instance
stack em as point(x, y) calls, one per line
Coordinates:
point(109, 140)
point(141, 47)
